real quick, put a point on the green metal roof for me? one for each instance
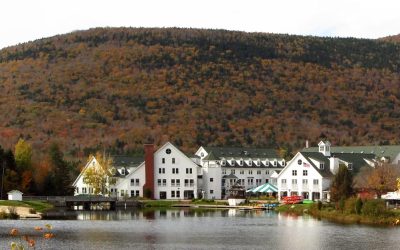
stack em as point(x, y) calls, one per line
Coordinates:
point(390, 151)
point(211, 157)
point(228, 152)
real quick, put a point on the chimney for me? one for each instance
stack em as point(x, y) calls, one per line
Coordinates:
point(307, 146)
point(149, 170)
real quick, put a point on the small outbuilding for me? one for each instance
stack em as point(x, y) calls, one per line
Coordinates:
point(15, 195)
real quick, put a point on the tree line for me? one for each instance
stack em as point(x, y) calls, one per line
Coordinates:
point(50, 174)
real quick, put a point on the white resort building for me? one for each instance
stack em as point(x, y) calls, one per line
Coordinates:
point(168, 173)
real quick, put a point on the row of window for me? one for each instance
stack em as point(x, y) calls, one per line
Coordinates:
point(175, 182)
point(135, 182)
point(172, 161)
point(305, 172)
point(258, 163)
point(305, 181)
point(175, 170)
point(242, 171)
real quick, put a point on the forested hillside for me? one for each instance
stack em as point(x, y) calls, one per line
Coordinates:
point(117, 88)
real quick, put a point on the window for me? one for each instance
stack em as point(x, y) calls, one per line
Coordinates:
point(211, 191)
point(232, 171)
point(186, 182)
point(172, 182)
point(90, 190)
point(266, 163)
point(223, 162)
point(258, 171)
point(163, 160)
point(137, 182)
point(132, 182)
point(266, 180)
point(83, 190)
point(159, 182)
point(315, 181)
point(283, 181)
point(137, 192)
point(250, 181)
point(123, 171)
point(211, 179)
point(321, 148)
point(175, 170)
point(250, 171)
point(241, 162)
point(168, 151)
point(164, 182)
point(178, 194)
point(172, 194)
point(258, 182)
point(294, 181)
point(294, 172)
point(283, 163)
point(305, 172)
point(350, 166)
point(305, 182)
point(132, 193)
point(250, 163)
point(299, 162)
point(191, 182)
point(241, 171)
point(188, 170)
point(223, 171)
point(321, 166)
point(173, 160)
point(258, 162)
point(201, 154)
point(275, 162)
point(266, 171)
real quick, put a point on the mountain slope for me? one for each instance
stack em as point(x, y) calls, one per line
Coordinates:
point(119, 88)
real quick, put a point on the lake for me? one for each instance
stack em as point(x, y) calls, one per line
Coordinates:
point(198, 229)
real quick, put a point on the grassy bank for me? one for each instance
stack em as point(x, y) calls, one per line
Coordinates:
point(37, 206)
point(373, 213)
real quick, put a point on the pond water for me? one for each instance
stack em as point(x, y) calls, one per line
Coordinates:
point(198, 229)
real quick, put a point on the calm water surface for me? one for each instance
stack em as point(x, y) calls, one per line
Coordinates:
point(190, 229)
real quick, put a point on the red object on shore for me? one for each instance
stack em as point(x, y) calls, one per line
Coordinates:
point(292, 199)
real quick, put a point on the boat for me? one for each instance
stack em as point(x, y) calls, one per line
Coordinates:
point(292, 199)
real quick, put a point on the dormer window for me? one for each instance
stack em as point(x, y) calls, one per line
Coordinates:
point(275, 162)
point(283, 163)
point(258, 162)
point(123, 171)
point(250, 162)
point(266, 163)
point(350, 166)
point(321, 148)
point(321, 165)
point(241, 162)
point(223, 162)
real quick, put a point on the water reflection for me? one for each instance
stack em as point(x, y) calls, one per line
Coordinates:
point(201, 229)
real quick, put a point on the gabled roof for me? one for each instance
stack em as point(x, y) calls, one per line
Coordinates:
point(230, 176)
point(320, 158)
point(230, 152)
point(358, 160)
point(390, 151)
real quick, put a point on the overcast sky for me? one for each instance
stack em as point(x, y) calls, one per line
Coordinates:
point(26, 20)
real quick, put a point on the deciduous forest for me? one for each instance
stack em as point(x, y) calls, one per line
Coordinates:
point(114, 89)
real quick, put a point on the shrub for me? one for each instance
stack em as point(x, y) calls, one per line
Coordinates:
point(147, 192)
point(373, 207)
point(319, 205)
point(350, 205)
point(32, 211)
point(359, 205)
point(341, 204)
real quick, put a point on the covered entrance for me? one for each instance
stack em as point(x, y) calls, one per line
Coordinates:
point(188, 194)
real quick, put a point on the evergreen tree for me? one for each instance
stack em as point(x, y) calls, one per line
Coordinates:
point(342, 184)
point(60, 177)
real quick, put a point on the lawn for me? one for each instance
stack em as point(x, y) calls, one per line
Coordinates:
point(39, 206)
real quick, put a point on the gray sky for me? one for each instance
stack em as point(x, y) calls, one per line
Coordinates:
point(26, 20)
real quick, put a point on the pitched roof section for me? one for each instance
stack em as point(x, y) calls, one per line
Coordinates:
point(326, 172)
point(211, 157)
point(390, 151)
point(226, 152)
point(126, 161)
